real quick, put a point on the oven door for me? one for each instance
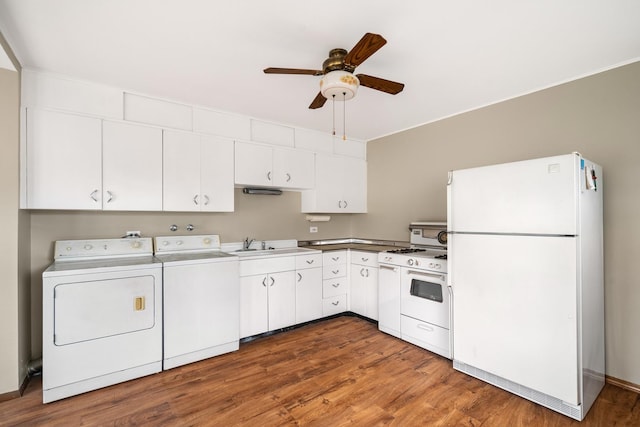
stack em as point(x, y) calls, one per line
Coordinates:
point(425, 296)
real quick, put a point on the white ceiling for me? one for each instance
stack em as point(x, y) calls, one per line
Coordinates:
point(453, 56)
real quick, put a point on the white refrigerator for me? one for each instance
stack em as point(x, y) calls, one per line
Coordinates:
point(525, 259)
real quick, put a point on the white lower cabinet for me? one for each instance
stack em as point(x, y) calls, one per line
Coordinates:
point(267, 295)
point(363, 294)
point(308, 287)
point(335, 285)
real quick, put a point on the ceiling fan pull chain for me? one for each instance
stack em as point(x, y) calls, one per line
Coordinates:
point(333, 104)
point(344, 116)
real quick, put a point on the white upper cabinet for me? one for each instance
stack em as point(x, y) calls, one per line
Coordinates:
point(222, 124)
point(45, 90)
point(197, 173)
point(272, 133)
point(63, 161)
point(132, 167)
point(312, 140)
point(341, 186)
point(265, 166)
point(157, 112)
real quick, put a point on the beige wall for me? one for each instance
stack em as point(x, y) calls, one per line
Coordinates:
point(14, 339)
point(598, 116)
point(256, 216)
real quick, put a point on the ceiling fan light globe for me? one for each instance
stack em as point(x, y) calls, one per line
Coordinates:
point(341, 84)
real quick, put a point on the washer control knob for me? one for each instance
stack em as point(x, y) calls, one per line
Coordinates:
point(88, 247)
point(207, 241)
point(165, 243)
point(136, 245)
point(68, 248)
point(179, 242)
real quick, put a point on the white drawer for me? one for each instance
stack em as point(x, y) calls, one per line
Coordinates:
point(251, 267)
point(334, 257)
point(426, 335)
point(334, 287)
point(369, 259)
point(333, 271)
point(334, 305)
point(308, 261)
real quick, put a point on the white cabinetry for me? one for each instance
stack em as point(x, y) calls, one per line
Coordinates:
point(389, 300)
point(131, 167)
point(341, 186)
point(198, 173)
point(264, 166)
point(363, 296)
point(267, 295)
point(308, 287)
point(335, 286)
point(63, 161)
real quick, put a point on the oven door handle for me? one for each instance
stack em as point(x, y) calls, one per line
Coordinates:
point(422, 273)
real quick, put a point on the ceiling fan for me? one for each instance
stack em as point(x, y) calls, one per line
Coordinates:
point(338, 81)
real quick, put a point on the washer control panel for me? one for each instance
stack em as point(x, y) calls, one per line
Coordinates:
point(102, 248)
point(171, 244)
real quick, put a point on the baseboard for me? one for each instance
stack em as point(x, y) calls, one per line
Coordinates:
point(622, 384)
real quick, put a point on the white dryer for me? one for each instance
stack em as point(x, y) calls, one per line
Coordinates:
point(201, 298)
point(102, 315)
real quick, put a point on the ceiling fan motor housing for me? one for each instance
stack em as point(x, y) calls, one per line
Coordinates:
point(341, 84)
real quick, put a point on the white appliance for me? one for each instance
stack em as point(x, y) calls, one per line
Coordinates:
point(102, 315)
point(414, 301)
point(526, 268)
point(201, 298)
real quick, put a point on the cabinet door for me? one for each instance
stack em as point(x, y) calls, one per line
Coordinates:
point(216, 175)
point(329, 183)
point(181, 171)
point(254, 316)
point(358, 292)
point(64, 161)
point(282, 300)
point(354, 187)
point(254, 165)
point(131, 167)
point(293, 169)
point(308, 294)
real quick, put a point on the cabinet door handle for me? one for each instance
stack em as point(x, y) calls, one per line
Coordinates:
point(335, 258)
point(362, 272)
point(264, 282)
point(366, 270)
point(206, 200)
point(310, 261)
point(345, 204)
point(299, 277)
point(335, 271)
point(288, 177)
point(424, 327)
point(93, 195)
point(269, 176)
point(335, 285)
point(195, 199)
point(110, 196)
point(272, 281)
point(340, 204)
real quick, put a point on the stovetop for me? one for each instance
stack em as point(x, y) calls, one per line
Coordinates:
point(419, 252)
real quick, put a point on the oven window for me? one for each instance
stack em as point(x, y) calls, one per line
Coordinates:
point(427, 290)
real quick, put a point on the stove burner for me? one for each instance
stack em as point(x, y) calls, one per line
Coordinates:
point(406, 250)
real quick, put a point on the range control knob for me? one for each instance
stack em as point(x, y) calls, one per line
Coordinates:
point(410, 261)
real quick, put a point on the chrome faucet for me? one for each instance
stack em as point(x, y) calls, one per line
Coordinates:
point(247, 243)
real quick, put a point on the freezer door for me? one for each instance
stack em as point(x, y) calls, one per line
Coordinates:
point(532, 197)
point(515, 311)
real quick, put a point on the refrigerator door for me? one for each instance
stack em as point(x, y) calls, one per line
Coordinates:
point(537, 196)
point(528, 286)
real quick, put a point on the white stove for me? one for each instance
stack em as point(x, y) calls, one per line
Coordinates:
point(415, 301)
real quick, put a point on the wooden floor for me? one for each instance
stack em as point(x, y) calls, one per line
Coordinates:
point(341, 371)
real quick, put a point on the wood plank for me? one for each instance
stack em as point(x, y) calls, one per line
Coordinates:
point(335, 372)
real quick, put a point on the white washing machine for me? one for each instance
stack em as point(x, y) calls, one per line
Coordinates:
point(201, 298)
point(102, 315)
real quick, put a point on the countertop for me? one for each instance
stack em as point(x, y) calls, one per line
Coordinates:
point(356, 244)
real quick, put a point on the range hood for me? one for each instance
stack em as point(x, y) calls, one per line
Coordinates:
point(267, 191)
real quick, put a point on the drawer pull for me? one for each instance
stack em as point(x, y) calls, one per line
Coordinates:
point(335, 258)
point(310, 261)
point(335, 272)
point(335, 285)
point(299, 277)
point(364, 259)
point(425, 327)
point(335, 303)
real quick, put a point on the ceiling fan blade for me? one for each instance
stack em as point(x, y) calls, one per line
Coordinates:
point(367, 46)
point(380, 84)
point(318, 101)
point(272, 70)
